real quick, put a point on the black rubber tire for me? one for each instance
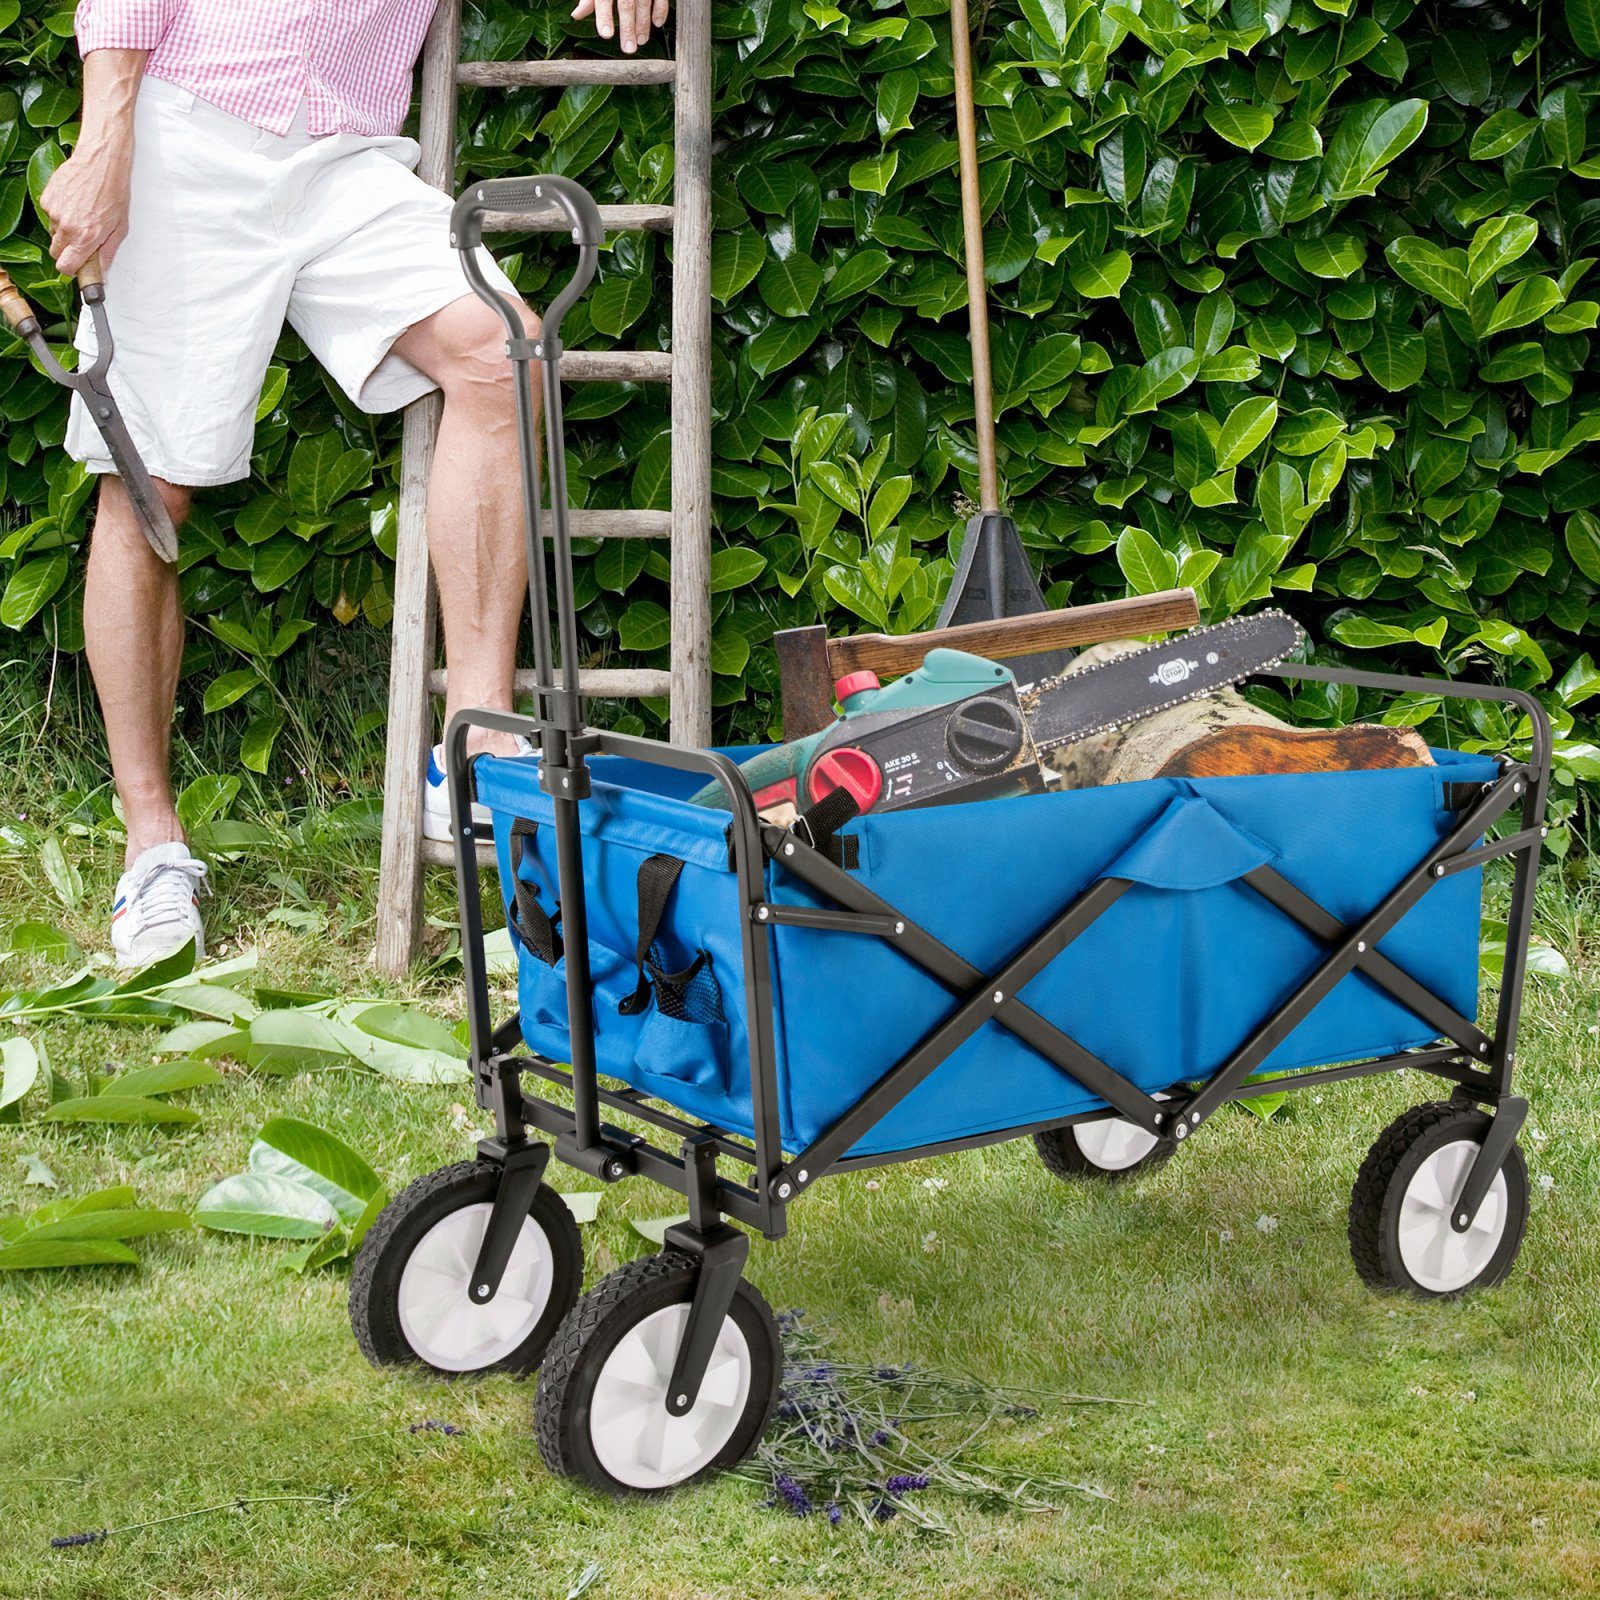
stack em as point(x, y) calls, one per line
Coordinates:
point(375, 1280)
point(1064, 1157)
point(594, 1328)
point(1380, 1189)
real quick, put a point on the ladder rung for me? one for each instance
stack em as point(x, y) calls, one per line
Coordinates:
point(617, 366)
point(561, 74)
point(604, 683)
point(618, 524)
point(442, 853)
point(617, 219)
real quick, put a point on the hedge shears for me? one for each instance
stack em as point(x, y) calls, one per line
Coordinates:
point(91, 384)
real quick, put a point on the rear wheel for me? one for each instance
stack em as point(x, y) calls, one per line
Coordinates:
point(1401, 1231)
point(1110, 1149)
point(601, 1412)
point(408, 1292)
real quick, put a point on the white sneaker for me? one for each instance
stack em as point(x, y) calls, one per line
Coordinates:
point(156, 910)
point(436, 796)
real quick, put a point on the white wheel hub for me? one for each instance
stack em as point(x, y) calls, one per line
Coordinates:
point(1113, 1144)
point(636, 1439)
point(1431, 1250)
point(438, 1317)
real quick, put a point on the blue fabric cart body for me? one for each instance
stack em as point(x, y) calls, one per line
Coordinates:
point(1163, 987)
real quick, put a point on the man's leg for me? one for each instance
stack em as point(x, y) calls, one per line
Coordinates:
point(133, 630)
point(475, 535)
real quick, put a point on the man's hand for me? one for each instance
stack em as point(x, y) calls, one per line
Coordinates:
point(86, 198)
point(86, 201)
point(637, 16)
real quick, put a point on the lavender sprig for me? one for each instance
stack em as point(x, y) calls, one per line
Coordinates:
point(72, 1541)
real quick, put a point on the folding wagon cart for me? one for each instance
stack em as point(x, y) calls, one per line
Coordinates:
point(1099, 969)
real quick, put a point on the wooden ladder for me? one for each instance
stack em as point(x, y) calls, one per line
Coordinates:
point(413, 679)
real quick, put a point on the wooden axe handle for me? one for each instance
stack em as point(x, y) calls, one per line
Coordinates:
point(891, 655)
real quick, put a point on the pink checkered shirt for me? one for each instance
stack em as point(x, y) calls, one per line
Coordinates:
point(349, 60)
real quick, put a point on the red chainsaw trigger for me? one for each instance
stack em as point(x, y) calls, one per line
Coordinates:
point(850, 769)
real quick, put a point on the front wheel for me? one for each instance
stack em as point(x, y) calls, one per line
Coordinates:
point(1401, 1233)
point(601, 1412)
point(409, 1298)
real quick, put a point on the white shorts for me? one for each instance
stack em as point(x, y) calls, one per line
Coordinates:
point(231, 230)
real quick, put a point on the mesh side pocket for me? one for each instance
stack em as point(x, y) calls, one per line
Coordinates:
point(693, 995)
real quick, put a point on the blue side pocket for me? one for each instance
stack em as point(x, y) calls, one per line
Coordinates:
point(685, 1033)
point(542, 992)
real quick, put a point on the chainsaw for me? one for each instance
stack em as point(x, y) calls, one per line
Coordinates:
point(960, 727)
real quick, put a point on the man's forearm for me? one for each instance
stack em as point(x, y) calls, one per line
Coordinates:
point(110, 87)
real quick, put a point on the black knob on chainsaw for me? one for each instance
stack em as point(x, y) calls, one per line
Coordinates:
point(984, 735)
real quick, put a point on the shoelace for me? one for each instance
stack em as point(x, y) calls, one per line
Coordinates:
point(164, 890)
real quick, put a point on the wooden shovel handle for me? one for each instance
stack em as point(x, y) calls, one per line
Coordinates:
point(16, 309)
point(890, 655)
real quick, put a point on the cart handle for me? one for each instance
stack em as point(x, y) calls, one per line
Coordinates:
point(530, 194)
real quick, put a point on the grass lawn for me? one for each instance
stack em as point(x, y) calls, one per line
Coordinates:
point(1294, 1434)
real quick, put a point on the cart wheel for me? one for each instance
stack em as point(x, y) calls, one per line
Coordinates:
point(1111, 1150)
point(601, 1412)
point(1400, 1231)
point(408, 1292)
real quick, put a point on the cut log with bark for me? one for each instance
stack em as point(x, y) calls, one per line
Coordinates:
point(1223, 735)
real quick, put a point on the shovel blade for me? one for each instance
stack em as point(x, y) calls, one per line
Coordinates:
point(994, 579)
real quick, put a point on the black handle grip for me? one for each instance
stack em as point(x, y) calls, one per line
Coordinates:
point(526, 194)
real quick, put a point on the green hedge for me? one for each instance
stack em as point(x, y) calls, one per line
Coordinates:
point(1292, 303)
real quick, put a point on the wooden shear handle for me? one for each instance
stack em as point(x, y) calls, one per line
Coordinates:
point(15, 307)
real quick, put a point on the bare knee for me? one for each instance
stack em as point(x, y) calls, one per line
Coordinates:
point(116, 523)
point(473, 369)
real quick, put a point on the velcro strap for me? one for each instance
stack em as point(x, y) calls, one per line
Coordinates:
point(533, 926)
point(657, 877)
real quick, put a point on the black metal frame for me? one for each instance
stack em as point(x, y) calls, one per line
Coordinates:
point(1478, 1065)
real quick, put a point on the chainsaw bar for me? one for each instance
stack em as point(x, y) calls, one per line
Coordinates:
point(1104, 698)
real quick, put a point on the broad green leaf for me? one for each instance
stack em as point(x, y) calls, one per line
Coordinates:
point(1244, 126)
point(1281, 498)
point(734, 568)
point(1162, 377)
point(620, 300)
point(1147, 567)
point(135, 1222)
point(31, 1254)
point(584, 1204)
point(264, 1204)
point(322, 1153)
point(1497, 243)
point(655, 1228)
point(19, 1070)
point(1564, 124)
point(31, 587)
point(1500, 134)
point(874, 175)
point(1583, 22)
point(1422, 263)
point(1583, 543)
point(293, 1041)
point(1308, 432)
point(1100, 280)
point(1247, 425)
point(1335, 255)
point(1395, 356)
point(1525, 301)
point(1462, 65)
point(120, 1108)
point(735, 260)
point(164, 1077)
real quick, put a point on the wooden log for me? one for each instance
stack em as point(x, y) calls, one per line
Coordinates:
point(1223, 735)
